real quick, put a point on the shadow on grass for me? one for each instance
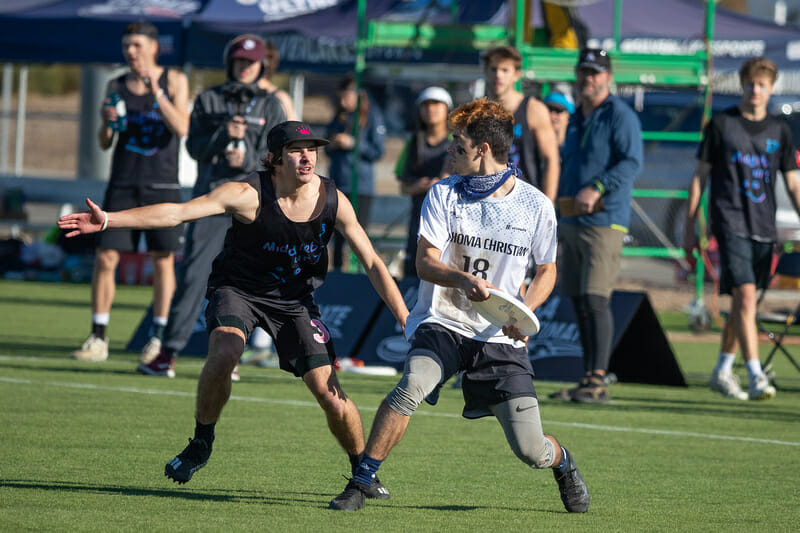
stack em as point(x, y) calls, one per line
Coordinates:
point(187, 494)
point(82, 368)
point(223, 495)
point(718, 408)
point(48, 301)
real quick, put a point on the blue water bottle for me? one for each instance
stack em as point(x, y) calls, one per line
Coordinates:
point(116, 101)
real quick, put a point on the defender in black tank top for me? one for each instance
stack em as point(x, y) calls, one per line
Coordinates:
point(274, 256)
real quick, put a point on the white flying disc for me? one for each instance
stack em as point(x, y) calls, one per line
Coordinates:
point(503, 310)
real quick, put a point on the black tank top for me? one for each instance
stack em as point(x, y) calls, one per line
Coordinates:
point(146, 153)
point(273, 256)
point(523, 153)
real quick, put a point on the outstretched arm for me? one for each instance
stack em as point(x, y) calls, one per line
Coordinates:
point(238, 198)
point(347, 224)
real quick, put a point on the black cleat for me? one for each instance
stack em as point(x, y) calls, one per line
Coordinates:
point(593, 390)
point(376, 491)
point(574, 492)
point(190, 460)
point(352, 498)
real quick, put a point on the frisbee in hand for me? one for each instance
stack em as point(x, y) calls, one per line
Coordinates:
point(503, 310)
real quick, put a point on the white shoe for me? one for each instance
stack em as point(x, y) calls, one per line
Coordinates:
point(727, 383)
point(265, 357)
point(94, 349)
point(150, 351)
point(235, 374)
point(760, 389)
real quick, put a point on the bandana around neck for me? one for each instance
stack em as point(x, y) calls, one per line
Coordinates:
point(478, 187)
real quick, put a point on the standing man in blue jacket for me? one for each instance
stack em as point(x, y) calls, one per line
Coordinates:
point(601, 157)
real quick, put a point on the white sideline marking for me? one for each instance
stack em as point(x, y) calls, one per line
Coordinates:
point(296, 403)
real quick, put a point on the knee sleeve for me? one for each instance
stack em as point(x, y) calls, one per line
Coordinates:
point(422, 374)
point(523, 429)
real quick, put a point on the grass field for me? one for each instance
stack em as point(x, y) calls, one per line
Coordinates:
point(84, 446)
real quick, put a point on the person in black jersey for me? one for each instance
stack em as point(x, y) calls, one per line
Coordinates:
point(275, 255)
point(742, 151)
point(144, 170)
point(535, 148)
point(227, 136)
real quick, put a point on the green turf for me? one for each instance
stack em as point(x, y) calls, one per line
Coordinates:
point(84, 446)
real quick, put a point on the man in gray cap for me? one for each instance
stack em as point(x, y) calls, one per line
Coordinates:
point(600, 159)
point(275, 255)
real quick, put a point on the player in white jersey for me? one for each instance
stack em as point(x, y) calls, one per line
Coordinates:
point(478, 228)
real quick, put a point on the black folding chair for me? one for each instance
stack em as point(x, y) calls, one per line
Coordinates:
point(788, 265)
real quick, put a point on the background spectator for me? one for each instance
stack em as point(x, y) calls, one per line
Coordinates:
point(535, 150)
point(601, 157)
point(743, 149)
point(423, 160)
point(146, 112)
point(372, 133)
point(561, 107)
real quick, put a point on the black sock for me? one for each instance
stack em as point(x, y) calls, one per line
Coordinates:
point(354, 460)
point(204, 432)
point(99, 330)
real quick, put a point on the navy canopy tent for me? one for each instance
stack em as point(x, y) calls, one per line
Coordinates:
point(323, 39)
point(319, 35)
point(88, 31)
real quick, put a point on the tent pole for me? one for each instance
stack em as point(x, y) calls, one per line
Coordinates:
point(297, 88)
point(5, 126)
point(22, 97)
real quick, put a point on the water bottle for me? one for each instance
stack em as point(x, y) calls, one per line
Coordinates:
point(116, 101)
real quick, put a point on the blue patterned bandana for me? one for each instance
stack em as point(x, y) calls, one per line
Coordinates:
point(477, 187)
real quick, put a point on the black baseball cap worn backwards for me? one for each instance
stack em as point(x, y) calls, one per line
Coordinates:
point(290, 131)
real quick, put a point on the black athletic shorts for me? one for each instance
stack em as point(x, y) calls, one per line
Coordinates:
point(127, 240)
point(493, 372)
point(301, 339)
point(743, 260)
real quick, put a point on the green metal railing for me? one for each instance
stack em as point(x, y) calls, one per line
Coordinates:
point(553, 65)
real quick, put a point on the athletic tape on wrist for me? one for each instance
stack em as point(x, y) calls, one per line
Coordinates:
point(105, 221)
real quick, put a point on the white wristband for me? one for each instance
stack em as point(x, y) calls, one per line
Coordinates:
point(105, 221)
point(159, 94)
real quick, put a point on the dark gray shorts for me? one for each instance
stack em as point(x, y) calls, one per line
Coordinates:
point(743, 260)
point(493, 372)
point(127, 240)
point(301, 339)
point(590, 259)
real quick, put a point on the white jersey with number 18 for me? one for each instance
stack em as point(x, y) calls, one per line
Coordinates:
point(490, 238)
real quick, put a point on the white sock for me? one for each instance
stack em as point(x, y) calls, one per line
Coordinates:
point(160, 320)
point(100, 319)
point(724, 362)
point(753, 368)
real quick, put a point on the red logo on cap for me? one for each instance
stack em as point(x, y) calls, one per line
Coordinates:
point(303, 130)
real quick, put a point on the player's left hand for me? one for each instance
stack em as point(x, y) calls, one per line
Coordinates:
point(90, 221)
point(513, 332)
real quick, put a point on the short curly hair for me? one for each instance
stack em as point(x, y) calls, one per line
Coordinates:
point(483, 120)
